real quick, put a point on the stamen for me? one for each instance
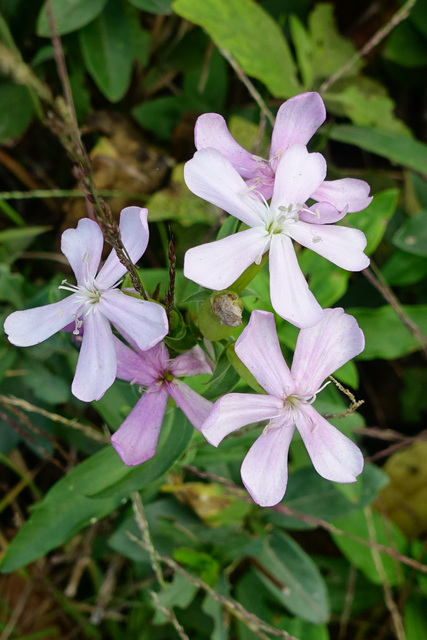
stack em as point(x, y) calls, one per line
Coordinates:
point(78, 324)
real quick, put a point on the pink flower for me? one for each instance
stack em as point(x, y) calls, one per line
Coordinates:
point(299, 176)
point(96, 303)
point(136, 439)
point(320, 350)
point(296, 122)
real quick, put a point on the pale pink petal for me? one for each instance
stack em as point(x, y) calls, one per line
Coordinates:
point(289, 292)
point(236, 410)
point(341, 245)
point(298, 174)
point(322, 213)
point(218, 264)
point(31, 326)
point(83, 247)
point(134, 232)
point(297, 121)
point(96, 366)
point(193, 405)
point(265, 468)
point(324, 348)
point(334, 456)
point(211, 131)
point(259, 350)
point(211, 176)
point(191, 363)
point(134, 367)
point(136, 440)
point(347, 192)
point(142, 323)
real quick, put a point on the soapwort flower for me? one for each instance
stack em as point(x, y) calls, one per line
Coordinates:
point(136, 439)
point(299, 175)
point(95, 304)
point(320, 350)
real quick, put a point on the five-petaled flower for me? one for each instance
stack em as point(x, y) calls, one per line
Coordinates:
point(136, 439)
point(320, 350)
point(96, 303)
point(272, 228)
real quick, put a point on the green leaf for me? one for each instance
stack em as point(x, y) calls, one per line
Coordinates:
point(17, 108)
point(406, 46)
point(372, 526)
point(385, 335)
point(303, 590)
point(69, 15)
point(403, 268)
point(397, 149)
point(244, 29)
point(328, 283)
point(374, 219)
point(162, 7)
point(412, 235)
point(415, 617)
point(303, 49)
point(107, 51)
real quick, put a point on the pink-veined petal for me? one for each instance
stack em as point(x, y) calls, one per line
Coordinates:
point(334, 456)
point(322, 213)
point(324, 348)
point(32, 326)
point(259, 350)
point(236, 410)
point(83, 247)
point(265, 468)
point(193, 405)
point(297, 121)
point(290, 296)
point(134, 367)
point(142, 323)
point(134, 232)
point(218, 264)
point(191, 363)
point(298, 174)
point(211, 176)
point(347, 192)
point(96, 366)
point(136, 439)
point(341, 245)
point(211, 131)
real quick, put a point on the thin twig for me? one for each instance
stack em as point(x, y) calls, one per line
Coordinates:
point(382, 33)
point(169, 615)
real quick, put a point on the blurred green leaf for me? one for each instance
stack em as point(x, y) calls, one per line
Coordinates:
point(14, 241)
point(162, 7)
point(11, 287)
point(178, 593)
point(303, 49)
point(415, 617)
point(385, 335)
point(374, 219)
point(202, 563)
point(257, 44)
point(69, 15)
point(406, 46)
point(412, 235)
point(372, 527)
point(17, 108)
point(328, 282)
point(404, 268)
point(107, 51)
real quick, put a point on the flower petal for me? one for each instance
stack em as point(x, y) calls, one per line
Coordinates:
point(297, 121)
point(211, 131)
point(259, 350)
point(218, 264)
point(83, 248)
point(193, 405)
point(191, 363)
point(136, 439)
point(265, 468)
point(236, 410)
point(298, 174)
point(347, 192)
point(31, 326)
point(134, 232)
point(324, 348)
point(289, 292)
point(139, 367)
point(96, 366)
point(143, 324)
point(341, 245)
point(322, 213)
point(334, 456)
point(211, 176)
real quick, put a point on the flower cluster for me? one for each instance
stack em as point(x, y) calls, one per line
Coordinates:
point(279, 200)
